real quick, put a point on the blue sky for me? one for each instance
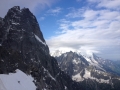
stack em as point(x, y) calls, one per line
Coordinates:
point(49, 18)
point(82, 25)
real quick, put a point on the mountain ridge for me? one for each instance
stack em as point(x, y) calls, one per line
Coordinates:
point(81, 68)
point(92, 58)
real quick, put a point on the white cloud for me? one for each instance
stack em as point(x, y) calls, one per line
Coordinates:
point(54, 11)
point(75, 13)
point(108, 14)
point(94, 0)
point(110, 4)
point(90, 14)
point(34, 6)
point(95, 31)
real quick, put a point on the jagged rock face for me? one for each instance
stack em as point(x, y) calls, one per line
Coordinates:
point(20, 26)
point(92, 72)
point(19, 39)
point(1, 22)
point(23, 47)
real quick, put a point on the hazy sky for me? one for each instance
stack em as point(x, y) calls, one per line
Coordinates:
point(85, 25)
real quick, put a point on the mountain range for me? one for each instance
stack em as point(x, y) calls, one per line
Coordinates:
point(88, 67)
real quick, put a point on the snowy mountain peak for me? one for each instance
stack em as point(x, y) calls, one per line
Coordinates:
point(60, 51)
point(57, 53)
point(89, 56)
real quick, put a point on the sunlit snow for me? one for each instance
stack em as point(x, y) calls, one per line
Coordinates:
point(77, 78)
point(16, 81)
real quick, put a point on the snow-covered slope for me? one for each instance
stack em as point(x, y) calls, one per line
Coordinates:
point(16, 81)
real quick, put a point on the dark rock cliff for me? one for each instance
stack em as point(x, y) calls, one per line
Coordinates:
point(23, 47)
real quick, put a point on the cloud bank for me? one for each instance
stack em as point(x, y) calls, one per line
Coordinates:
point(95, 30)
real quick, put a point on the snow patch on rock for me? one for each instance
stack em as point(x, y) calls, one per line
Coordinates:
point(77, 78)
point(87, 74)
point(40, 40)
point(76, 61)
